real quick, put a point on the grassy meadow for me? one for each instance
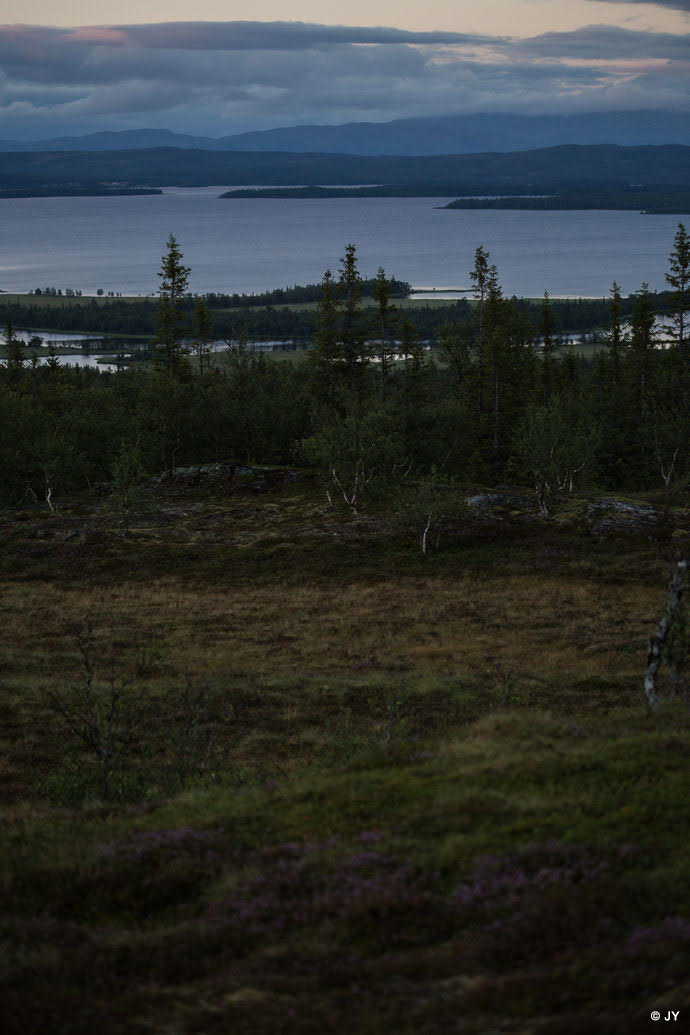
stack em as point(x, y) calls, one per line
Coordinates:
point(267, 768)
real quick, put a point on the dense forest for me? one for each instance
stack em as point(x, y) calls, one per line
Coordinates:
point(289, 314)
point(369, 405)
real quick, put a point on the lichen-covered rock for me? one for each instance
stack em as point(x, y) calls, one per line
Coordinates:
point(612, 515)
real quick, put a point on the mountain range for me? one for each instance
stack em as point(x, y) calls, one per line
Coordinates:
point(451, 134)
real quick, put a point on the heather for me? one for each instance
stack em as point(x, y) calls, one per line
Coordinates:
point(350, 785)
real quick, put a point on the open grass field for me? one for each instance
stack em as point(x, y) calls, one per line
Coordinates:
point(266, 768)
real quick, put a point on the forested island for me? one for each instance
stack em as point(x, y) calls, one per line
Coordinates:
point(381, 190)
point(341, 678)
point(648, 200)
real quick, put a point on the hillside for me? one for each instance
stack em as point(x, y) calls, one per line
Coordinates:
point(363, 790)
point(545, 168)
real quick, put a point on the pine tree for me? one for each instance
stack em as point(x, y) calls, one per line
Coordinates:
point(678, 278)
point(174, 278)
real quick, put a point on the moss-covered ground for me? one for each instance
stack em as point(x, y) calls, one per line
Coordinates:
point(266, 768)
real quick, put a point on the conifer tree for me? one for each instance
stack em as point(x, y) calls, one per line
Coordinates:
point(479, 276)
point(547, 327)
point(325, 352)
point(642, 339)
point(14, 351)
point(678, 278)
point(408, 340)
point(642, 342)
point(174, 278)
point(352, 337)
point(203, 332)
point(493, 313)
point(382, 292)
point(615, 338)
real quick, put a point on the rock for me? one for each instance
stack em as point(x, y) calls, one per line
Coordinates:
point(612, 515)
point(501, 501)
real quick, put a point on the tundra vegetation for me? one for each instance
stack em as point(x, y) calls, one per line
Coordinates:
point(323, 682)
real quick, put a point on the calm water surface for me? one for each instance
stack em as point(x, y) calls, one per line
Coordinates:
point(252, 245)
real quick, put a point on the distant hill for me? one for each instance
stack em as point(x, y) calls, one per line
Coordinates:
point(547, 168)
point(469, 134)
point(122, 140)
point(451, 134)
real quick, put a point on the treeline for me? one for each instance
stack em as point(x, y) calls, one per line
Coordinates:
point(649, 201)
point(65, 429)
point(374, 413)
point(267, 316)
point(78, 188)
point(551, 168)
point(381, 190)
point(298, 293)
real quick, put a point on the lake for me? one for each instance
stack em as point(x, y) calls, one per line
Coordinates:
point(253, 245)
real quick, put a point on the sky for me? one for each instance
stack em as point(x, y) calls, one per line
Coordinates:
point(75, 70)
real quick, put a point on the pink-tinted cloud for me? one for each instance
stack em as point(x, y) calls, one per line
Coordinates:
point(97, 35)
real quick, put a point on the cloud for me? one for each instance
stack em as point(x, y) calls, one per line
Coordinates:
point(256, 75)
point(611, 43)
point(677, 5)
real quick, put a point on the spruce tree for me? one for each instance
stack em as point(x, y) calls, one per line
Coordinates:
point(547, 327)
point(642, 339)
point(14, 351)
point(325, 352)
point(384, 314)
point(615, 338)
point(479, 275)
point(678, 278)
point(203, 332)
point(494, 311)
point(352, 338)
point(174, 278)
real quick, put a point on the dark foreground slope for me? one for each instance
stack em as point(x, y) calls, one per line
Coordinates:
point(356, 789)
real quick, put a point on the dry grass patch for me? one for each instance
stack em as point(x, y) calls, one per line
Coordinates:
point(525, 624)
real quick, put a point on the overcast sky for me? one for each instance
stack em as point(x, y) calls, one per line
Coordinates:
point(78, 71)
